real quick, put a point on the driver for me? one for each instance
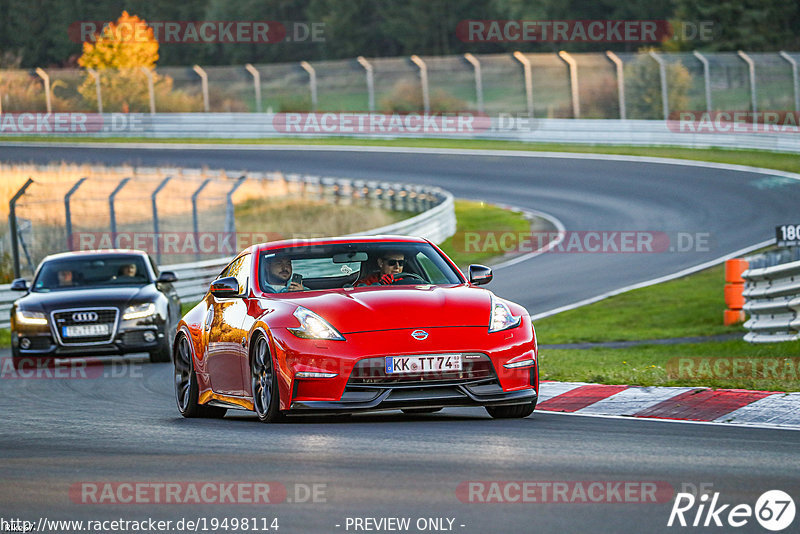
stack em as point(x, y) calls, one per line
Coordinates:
point(279, 271)
point(389, 265)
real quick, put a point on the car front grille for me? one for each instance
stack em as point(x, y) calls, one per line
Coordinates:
point(372, 372)
point(62, 318)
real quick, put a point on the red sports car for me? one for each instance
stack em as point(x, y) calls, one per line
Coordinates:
point(344, 325)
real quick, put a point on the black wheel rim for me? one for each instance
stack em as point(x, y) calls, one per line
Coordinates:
point(183, 374)
point(262, 378)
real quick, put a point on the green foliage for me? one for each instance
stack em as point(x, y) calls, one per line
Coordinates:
point(406, 97)
point(643, 87)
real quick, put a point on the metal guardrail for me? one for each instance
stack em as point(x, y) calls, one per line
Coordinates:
point(437, 223)
point(772, 299)
point(506, 127)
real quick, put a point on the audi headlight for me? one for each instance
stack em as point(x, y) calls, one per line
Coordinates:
point(31, 317)
point(501, 317)
point(312, 326)
point(139, 311)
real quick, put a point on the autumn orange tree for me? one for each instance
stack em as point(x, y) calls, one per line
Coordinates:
point(118, 54)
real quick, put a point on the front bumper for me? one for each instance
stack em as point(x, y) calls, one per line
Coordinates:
point(124, 342)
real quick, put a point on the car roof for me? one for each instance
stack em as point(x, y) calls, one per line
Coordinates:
point(288, 243)
point(90, 253)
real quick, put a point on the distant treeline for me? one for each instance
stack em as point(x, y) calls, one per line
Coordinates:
point(35, 32)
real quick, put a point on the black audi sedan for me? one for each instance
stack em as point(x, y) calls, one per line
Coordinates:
point(95, 303)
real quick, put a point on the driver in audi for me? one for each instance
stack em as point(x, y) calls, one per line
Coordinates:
point(389, 265)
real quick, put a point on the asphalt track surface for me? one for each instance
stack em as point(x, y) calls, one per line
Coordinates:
point(58, 433)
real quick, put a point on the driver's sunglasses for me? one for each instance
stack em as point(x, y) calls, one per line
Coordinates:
point(393, 263)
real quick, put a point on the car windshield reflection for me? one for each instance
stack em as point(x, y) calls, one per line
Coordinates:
point(94, 272)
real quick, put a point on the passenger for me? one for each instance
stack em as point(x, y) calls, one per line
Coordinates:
point(127, 271)
point(389, 265)
point(65, 278)
point(279, 272)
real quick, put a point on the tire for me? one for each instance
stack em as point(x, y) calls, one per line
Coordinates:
point(186, 389)
point(516, 411)
point(162, 353)
point(414, 411)
point(264, 382)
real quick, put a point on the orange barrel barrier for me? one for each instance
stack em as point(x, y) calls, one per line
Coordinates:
point(734, 286)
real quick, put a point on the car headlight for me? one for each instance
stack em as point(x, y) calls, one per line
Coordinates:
point(31, 317)
point(312, 326)
point(139, 311)
point(501, 317)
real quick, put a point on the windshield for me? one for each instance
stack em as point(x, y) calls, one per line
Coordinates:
point(353, 265)
point(91, 271)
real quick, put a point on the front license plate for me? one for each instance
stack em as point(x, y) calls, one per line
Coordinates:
point(85, 330)
point(423, 364)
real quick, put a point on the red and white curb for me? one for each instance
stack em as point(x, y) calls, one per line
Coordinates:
point(731, 406)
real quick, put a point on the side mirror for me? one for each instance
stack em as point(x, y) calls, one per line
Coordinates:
point(225, 287)
point(19, 284)
point(167, 277)
point(479, 274)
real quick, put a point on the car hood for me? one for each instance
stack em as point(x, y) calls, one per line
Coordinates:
point(367, 309)
point(86, 298)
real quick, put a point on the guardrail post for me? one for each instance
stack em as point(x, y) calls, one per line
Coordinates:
point(572, 66)
point(751, 67)
point(256, 84)
point(370, 81)
point(662, 69)
point(195, 220)
point(204, 85)
point(476, 65)
point(795, 81)
point(151, 89)
point(96, 76)
point(312, 82)
point(68, 211)
point(46, 79)
point(112, 212)
point(230, 219)
point(155, 215)
point(706, 78)
point(528, 75)
point(620, 68)
point(12, 225)
point(423, 81)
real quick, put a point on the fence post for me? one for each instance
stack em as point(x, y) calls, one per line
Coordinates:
point(370, 81)
point(46, 79)
point(751, 66)
point(526, 69)
point(662, 69)
point(68, 211)
point(312, 82)
point(478, 79)
point(572, 66)
point(230, 219)
point(12, 225)
point(195, 220)
point(96, 76)
point(620, 67)
point(423, 81)
point(706, 77)
point(204, 85)
point(151, 90)
point(256, 84)
point(112, 213)
point(795, 81)
point(155, 215)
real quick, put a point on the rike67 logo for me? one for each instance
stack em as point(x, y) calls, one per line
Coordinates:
point(774, 510)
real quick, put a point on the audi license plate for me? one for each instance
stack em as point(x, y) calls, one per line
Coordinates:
point(85, 330)
point(423, 364)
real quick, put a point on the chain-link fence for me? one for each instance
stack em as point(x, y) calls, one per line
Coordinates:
point(605, 86)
